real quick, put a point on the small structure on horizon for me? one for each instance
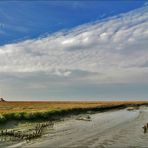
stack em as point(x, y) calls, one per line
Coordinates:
point(2, 100)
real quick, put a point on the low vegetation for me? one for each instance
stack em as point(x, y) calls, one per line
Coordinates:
point(51, 110)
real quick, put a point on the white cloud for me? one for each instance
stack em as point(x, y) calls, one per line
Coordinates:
point(115, 49)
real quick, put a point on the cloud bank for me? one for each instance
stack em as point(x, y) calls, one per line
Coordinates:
point(114, 50)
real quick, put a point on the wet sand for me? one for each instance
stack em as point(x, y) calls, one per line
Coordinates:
point(112, 129)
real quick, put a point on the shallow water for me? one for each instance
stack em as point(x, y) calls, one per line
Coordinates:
point(120, 128)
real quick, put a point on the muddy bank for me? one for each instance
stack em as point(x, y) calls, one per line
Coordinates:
point(107, 129)
point(52, 114)
point(24, 126)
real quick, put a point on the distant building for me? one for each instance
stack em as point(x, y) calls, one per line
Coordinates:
point(2, 100)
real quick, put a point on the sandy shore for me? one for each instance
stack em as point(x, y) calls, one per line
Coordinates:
point(120, 128)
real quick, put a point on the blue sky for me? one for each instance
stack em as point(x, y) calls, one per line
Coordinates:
point(23, 20)
point(74, 50)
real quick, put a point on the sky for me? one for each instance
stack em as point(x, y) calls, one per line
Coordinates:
point(74, 50)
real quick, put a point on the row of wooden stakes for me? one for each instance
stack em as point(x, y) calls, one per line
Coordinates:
point(36, 132)
point(145, 128)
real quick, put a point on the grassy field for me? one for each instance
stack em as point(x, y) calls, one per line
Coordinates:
point(48, 110)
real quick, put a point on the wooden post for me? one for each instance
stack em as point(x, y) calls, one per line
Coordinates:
point(147, 125)
point(145, 128)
